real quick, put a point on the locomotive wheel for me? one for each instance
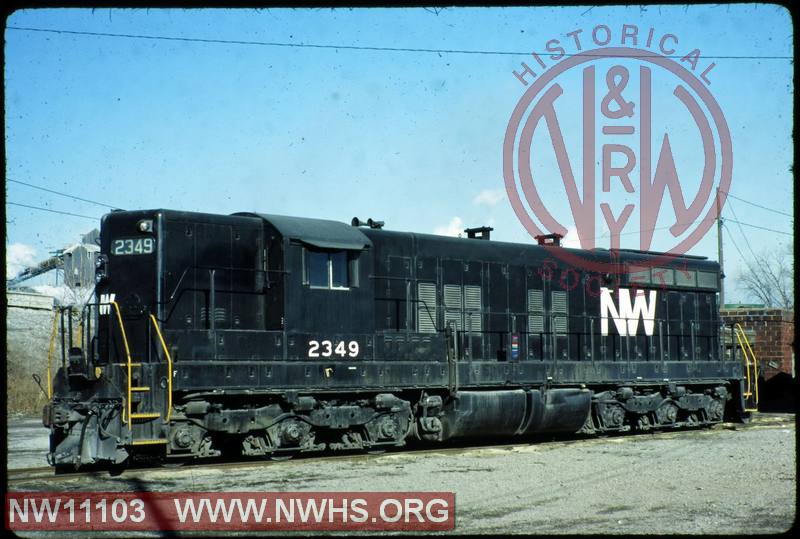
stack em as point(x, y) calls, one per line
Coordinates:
point(716, 410)
point(667, 414)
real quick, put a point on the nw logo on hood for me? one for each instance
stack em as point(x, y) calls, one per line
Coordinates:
point(626, 318)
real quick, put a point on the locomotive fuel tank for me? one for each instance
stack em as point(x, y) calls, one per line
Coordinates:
point(504, 413)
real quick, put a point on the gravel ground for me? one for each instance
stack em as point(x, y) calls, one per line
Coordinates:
point(732, 479)
point(27, 442)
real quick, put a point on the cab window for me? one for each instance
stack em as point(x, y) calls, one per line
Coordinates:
point(328, 269)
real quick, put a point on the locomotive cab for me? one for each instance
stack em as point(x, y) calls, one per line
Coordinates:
point(182, 297)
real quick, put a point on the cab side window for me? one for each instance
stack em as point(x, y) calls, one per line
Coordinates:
point(335, 270)
point(316, 269)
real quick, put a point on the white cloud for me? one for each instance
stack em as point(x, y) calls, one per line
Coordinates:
point(18, 257)
point(571, 239)
point(489, 197)
point(454, 228)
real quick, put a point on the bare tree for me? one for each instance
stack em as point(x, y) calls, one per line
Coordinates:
point(770, 278)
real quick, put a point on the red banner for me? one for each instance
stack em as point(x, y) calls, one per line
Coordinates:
point(231, 511)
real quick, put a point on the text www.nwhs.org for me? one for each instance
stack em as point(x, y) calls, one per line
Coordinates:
point(231, 511)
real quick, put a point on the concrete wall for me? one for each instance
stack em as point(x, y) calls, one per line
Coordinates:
point(29, 300)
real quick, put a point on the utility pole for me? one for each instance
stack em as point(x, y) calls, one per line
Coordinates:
point(719, 255)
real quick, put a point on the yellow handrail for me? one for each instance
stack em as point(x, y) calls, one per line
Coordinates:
point(129, 365)
point(50, 356)
point(747, 391)
point(128, 355)
point(169, 366)
point(746, 361)
point(744, 344)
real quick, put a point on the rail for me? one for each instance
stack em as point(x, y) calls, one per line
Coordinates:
point(750, 363)
point(669, 339)
point(128, 400)
point(169, 366)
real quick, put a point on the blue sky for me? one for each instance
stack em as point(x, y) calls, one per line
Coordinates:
point(412, 138)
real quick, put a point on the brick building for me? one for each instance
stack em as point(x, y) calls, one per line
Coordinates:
point(772, 336)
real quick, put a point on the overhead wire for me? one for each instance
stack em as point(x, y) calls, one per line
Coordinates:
point(370, 48)
point(604, 236)
point(739, 224)
point(738, 250)
point(62, 194)
point(736, 246)
point(758, 205)
point(760, 227)
point(53, 211)
point(359, 47)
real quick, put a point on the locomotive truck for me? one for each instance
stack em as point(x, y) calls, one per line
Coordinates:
point(273, 335)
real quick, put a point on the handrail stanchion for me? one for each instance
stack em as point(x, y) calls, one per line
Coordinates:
point(63, 340)
point(169, 366)
point(128, 356)
point(749, 355)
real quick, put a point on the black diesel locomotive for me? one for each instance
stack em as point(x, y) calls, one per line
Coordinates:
point(272, 335)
